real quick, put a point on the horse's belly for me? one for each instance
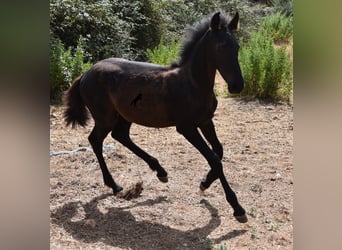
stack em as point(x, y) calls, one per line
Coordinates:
point(150, 118)
point(156, 120)
point(145, 110)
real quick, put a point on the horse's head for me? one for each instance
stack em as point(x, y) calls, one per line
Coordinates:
point(226, 51)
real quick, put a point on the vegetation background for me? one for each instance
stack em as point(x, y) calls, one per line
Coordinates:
point(83, 32)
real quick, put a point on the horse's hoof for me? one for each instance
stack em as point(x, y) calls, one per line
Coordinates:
point(203, 186)
point(241, 218)
point(117, 189)
point(163, 178)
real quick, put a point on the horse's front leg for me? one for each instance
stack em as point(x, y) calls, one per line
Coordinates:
point(208, 131)
point(194, 137)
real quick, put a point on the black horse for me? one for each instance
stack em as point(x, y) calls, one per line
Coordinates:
point(118, 92)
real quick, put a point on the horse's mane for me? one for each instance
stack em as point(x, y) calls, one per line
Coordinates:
point(194, 33)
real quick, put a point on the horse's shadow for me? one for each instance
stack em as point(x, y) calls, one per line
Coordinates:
point(119, 228)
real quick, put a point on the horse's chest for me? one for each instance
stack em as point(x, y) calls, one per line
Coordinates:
point(197, 111)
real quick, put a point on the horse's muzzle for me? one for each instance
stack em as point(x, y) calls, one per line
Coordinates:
point(236, 88)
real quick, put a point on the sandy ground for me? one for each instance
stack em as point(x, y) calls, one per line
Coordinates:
point(257, 139)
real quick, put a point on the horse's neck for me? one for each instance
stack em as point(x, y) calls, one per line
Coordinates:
point(203, 70)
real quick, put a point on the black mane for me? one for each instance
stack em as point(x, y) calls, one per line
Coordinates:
point(194, 34)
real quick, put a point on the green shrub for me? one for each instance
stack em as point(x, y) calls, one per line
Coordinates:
point(277, 26)
point(163, 54)
point(283, 6)
point(105, 33)
point(110, 27)
point(59, 73)
point(265, 68)
point(65, 65)
point(147, 30)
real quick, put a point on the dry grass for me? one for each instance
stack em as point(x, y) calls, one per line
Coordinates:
point(257, 140)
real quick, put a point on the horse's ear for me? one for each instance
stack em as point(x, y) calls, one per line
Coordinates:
point(215, 21)
point(234, 24)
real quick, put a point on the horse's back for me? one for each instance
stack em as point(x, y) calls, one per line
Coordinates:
point(127, 66)
point(112, 72)
point(135, 90)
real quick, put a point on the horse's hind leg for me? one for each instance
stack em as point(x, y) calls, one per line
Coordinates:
point(208, 131)
point(96, 137)
point(121, 133)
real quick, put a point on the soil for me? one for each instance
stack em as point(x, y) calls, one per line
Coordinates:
point(257, 138)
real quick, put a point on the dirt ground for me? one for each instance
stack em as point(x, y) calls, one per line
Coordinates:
point(257, 138)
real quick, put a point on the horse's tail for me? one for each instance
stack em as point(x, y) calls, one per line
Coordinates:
point(76, 111)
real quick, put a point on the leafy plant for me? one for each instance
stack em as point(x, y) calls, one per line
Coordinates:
point(65, 65)
point(266, 69)
point(109, 27)
point(105, 33)
point(278, 27)
point(283, 6)
point(163, 54)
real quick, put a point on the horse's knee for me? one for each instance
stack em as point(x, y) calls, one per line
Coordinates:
point(215, 161)
point(216, 165)
point(218, 149)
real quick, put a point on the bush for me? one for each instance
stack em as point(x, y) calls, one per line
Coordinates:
point(133, 29)
point(266, 69)
point(109, 27)
point(147, 28)
point(65, 65)
point(278, 27)
point(105, 33)
point(163, 54)
point(283, 6)
point(127, 28)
